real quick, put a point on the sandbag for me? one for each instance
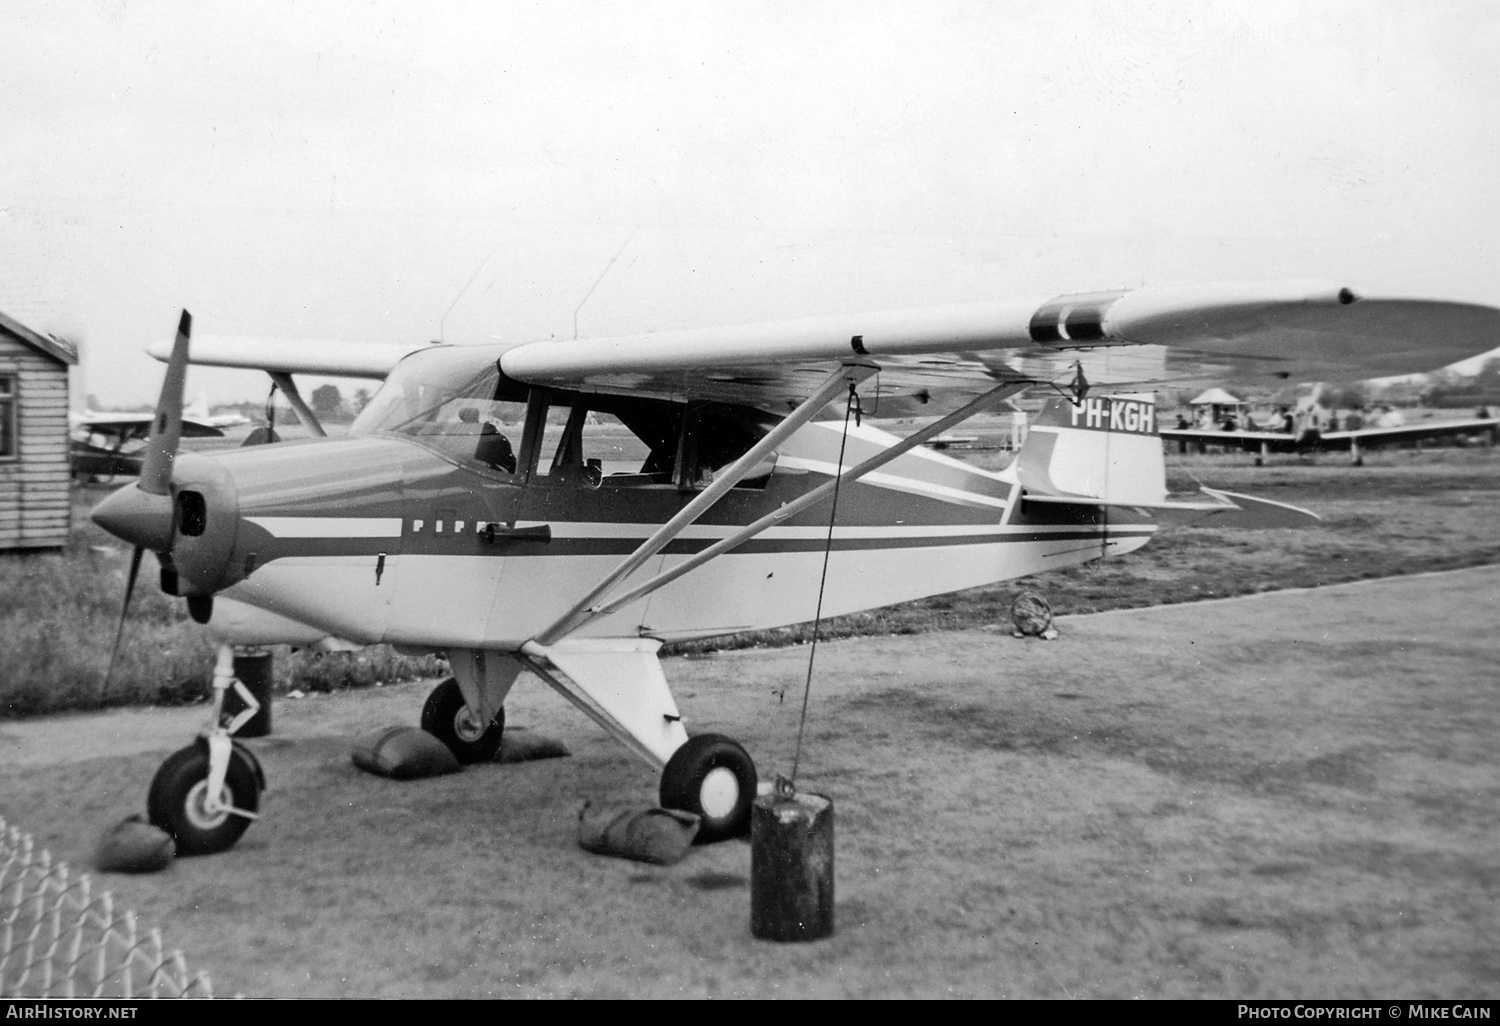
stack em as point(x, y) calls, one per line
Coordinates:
point(134, 846)
point(404, 753)
point(659, 836)
point(1032, 616)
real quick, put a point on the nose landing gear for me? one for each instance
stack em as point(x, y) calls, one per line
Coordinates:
point(205, 795)
point(201, 818)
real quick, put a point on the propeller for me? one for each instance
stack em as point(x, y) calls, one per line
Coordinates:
point(166, 429)
point(135, 569)
point(142, 513)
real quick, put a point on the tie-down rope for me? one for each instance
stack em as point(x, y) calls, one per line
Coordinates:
point(851, 407)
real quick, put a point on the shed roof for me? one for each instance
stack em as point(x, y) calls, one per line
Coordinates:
point(63, 352)
point(1216, 397)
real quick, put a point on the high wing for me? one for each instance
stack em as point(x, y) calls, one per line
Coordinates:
point(324, 357)
point(935, 359)
point(281, 358)
point(1281, 441)
point(126, 426)
point(932, 359)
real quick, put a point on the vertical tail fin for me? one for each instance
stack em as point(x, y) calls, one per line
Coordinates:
point(198, 408)
point(1104, 448)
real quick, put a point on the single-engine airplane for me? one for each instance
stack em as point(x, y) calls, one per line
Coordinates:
point(107, 445)
point(1354, 441)
point(565, 507)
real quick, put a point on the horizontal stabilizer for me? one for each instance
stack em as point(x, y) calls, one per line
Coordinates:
point(1253, 513)
point(1227, 509)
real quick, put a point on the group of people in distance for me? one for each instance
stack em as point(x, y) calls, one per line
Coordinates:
point(1300, 422)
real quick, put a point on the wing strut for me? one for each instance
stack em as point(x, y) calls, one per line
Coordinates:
point(837, 383)
point(299, 407)
point(817, 494)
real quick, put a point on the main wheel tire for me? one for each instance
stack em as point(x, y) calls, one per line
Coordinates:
point(176, 801)
point(446, 717)
point(715, 778)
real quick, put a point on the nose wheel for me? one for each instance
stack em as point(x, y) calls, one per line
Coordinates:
point(446, 716)
point(715, 778)
point(204, 819)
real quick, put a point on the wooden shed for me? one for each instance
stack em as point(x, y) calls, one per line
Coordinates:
point(36, 509)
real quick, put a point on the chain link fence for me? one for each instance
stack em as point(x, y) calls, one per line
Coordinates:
point(60, 939)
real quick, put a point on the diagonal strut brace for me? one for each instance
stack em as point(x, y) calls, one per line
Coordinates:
point(299, 405)
point(811, 497)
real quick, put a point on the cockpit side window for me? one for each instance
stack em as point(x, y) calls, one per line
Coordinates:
point(628, 441)
point(456, 401)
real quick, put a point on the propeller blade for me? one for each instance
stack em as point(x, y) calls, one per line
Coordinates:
point(166, 428)
point(135, 569)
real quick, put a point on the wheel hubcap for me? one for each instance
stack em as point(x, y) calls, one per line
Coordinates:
point(719, 792)
point(196, 806)
point(467, 726)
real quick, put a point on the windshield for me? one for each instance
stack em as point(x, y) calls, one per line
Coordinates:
point(450, 399)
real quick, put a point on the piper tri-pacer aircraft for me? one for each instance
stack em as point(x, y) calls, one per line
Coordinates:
point(565, 507)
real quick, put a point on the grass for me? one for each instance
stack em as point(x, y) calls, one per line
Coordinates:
point(1405, 511)
point(1277, 799)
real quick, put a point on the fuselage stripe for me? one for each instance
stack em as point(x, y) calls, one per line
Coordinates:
point(469, 546)
point(329, 527)
point(640, 532)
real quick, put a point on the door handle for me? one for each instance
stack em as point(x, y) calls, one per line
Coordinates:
point(494, 532)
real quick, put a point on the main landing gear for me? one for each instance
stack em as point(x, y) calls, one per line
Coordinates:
point(715, 778)
point(446, 716)
point(619, 684)
point(708, 775)
point(206, 795)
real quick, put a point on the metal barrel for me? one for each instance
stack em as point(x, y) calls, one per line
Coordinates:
point(253, 667)
point(791, 867)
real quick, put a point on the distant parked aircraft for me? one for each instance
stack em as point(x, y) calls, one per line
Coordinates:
point(198, 411)
point(1308, 438)
point(108, 445)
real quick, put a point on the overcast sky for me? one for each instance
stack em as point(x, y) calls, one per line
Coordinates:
point(393, 172)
